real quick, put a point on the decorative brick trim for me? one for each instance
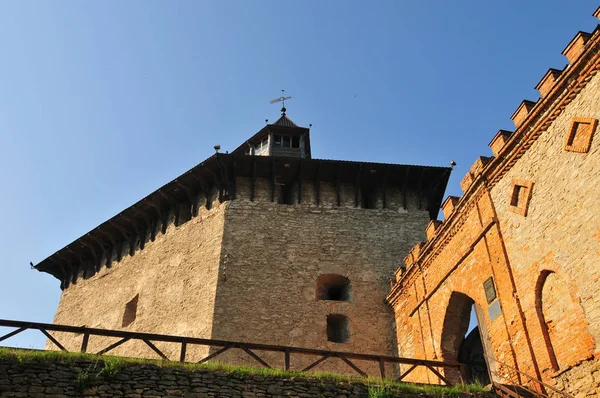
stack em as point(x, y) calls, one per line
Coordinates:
point(581, 132)
point(513, 146)
point(576, 46)
point(520, 195)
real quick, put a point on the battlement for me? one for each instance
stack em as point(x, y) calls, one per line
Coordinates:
point(557, 88)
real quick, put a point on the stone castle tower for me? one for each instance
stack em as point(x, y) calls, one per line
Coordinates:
point(264, 245)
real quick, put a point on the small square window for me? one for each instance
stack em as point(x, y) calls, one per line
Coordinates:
point(286, 141)
point(277, 141)
point(295, 142)
point(580, 134)
point(520, 195)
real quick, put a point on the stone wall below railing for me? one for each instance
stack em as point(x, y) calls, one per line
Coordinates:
point(21, 376)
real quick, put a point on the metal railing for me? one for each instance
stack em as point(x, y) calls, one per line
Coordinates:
point(517, 387)
point(249, 348)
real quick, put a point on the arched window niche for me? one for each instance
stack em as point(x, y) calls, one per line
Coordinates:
point(333, 287)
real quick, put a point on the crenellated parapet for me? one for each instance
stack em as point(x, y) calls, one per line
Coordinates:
point(531, 118)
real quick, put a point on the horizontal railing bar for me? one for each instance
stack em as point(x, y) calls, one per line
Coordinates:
point(528, 376)
point(224, 343)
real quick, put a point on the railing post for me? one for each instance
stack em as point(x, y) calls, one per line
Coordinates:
point(382, 368)
point(287, 358)
point(84, 342)
point(463, 373)
point(183, 350)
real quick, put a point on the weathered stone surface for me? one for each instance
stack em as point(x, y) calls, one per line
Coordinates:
point(221, 384)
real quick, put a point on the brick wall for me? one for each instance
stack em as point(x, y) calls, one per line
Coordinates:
point(530, 221)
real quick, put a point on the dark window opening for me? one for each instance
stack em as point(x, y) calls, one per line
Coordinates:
point(287, 194)
point(333, 287)
point(285, 141)
point(338, 329)
point(185, 213)
point(130, 311)
point(368, 198)
point(516, 195)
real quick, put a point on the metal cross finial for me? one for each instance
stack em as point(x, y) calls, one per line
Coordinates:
point(282, 99)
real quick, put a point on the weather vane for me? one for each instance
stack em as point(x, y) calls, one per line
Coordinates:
point(282, 99)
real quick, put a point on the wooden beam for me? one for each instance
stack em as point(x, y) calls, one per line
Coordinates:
point(233, 192)
point(61, 269)
point(149, 223)
point(273, 179)
point(253, 186)
point(224, 174)
point(204, 189)
point(217, 182)
point(419, 189)
point(256, 357)
point(191, 195)
point(155, 349)
point(114, 247)
point(357, 186)
point(78, 260)
point(403, 375)
point(102, 248)
point(299, 178)
point(286, 358)
point(115, 345)
point(318, 361)
point(438, 374)
point(404, 186)
point(124, 233)
point(66, 272)
point(384, 187)
point(174, 205)
point(337, 186)
point(67, 261)
point(91, 249)
point(52, 339)
point(214, 354)
point(318, 183)
point(352, 365)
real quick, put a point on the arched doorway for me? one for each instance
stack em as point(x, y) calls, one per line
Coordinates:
point(461, 343)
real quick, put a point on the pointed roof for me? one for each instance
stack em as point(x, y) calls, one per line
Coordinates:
point(284, 121)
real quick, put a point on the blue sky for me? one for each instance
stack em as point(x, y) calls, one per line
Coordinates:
point(103, 102)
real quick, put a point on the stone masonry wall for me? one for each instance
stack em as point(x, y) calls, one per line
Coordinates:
point(273, 255)
point(558, 241)
point(55, 379)
point(174, 278)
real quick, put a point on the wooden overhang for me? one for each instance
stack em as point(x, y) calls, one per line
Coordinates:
point(87, 254)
